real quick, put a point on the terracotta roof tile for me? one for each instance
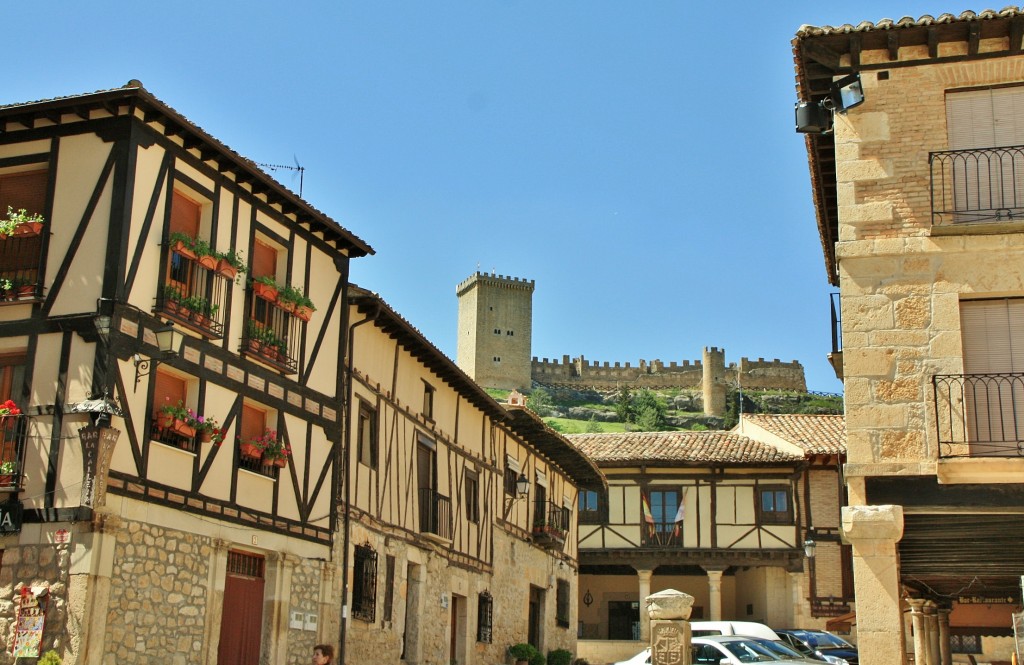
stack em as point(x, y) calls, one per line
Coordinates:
point(818, 435)
point(659, 448)
point(908, 22)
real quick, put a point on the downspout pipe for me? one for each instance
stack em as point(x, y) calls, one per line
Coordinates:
point(346, 464)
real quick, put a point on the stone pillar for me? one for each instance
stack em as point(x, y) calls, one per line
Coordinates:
point(713, 384)
point(277, 602)
point(218, 553)
point(931, 625)
point(873, 531)
point(669, 613)
point(799, 616)
point(91, 564)
point(920, 638)
point(715, 594)
point(644, 579)
point(945, 654)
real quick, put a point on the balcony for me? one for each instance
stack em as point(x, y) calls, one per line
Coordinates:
point(975, 186)
point(550, 524)
point(272, 335)
point(194, 295)
point(13, 436)
point(435, 515)
point(977, 415)
point(20, 259)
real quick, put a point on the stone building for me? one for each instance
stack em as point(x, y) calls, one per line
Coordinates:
point(918, 200)
point(467, 508)
point(722, 516)
point(495, 330)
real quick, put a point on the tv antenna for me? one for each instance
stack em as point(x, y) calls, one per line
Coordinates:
point(298, 168)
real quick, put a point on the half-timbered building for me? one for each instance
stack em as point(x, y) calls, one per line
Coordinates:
point(172, 478)
point(463, 521)
point(722, 516)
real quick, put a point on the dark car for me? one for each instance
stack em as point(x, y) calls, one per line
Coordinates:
point(820, 644)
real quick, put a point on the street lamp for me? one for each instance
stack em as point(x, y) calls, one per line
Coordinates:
point(168, 340)
point(522, 491)
point(809, 548)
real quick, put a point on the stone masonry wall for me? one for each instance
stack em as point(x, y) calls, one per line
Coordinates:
point(42, 565)
point(305, 598)
point(158, 592)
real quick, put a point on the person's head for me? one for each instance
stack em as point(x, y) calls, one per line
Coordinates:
point(323, 654)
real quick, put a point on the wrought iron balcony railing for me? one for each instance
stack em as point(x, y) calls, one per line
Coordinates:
point(194, 295)
point(983, 185)
point(980, 415)
point(435, 514)
point(13, 436)
point(20, 263)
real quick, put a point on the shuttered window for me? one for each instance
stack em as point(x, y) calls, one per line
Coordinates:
point(185, 215)
point(23, 190)
point(985, 118)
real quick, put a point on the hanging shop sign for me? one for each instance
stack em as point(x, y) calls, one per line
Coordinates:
point(10, 517)
point(30, 618)
point(97, 446)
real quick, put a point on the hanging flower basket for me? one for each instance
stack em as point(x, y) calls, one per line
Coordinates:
point(183, 249)
point(183, 428)
point(225, 269)
point(250, 450)
point(208, 261)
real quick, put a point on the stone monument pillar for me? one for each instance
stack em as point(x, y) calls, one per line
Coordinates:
point(669, 612)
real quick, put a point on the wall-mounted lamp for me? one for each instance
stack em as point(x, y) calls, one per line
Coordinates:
point(588, 599)
point(168, 340)
point(817, 117)
point(809, 548)
point(522, 491)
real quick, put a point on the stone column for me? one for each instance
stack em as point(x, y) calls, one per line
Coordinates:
point(920, 638)
point(277, 602)
point(797, 603)
point(218, 553)
point(90, 566)
point(931, 624)
point(644, 579)
point(945, 654)
point(873, 531)
point(715, 593)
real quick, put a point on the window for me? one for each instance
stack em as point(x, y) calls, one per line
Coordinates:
point(170, 390)
point(389, 587)
point(21, 255)
point(965, 643)
point(472, 499)
point(562, 604)
point(272, 332)
point(511, 477)
point(509, 333)
point(12, 436)
point(484, 617)
point(193, 293)
point(664, 509)
point(589, 507)
point(428, 400)
point(364, 584)
point(255, 423)
point(774, 506)
point(366, 434)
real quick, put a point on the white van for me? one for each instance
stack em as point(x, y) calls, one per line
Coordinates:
point(749, 628)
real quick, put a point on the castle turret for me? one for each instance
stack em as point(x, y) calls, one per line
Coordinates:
point(495, 330)
point(714, 381)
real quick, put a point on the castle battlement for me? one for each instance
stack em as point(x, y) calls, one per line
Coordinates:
point(492, 279)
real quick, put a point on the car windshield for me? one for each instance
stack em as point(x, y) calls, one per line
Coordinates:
point(748, 651)
point(826, 640)
point(780, 649)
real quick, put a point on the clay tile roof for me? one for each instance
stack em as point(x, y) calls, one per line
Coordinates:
point(677, 448)
point(908, 21)
point(818, 435)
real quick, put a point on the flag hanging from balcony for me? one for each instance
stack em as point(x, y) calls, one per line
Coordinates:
point(680, 515)
point(648, 517)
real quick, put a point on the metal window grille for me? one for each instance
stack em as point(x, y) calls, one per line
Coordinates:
point(485, 615)
point(246, 564)
point(364, 588)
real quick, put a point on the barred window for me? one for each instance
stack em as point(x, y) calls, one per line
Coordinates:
point(364, 584)
point(562, 604)
point(484, 614)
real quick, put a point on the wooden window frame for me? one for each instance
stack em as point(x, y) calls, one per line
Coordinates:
point(484, 617)
point(366, 435)
point(389, 587)
point(364, 584)
point(471, 496)
point(595, 515)
point(428, 401)
point(774, 516)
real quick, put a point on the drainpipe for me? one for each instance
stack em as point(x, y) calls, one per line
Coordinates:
point(346, 448)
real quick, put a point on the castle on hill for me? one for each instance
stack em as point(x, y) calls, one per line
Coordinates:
point(494, 347)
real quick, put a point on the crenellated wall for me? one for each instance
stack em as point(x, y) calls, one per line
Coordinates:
point(580, 372)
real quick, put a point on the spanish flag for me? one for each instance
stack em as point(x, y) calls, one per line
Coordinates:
point(648, 517)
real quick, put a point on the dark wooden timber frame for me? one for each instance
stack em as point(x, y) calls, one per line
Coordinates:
point(138, 120)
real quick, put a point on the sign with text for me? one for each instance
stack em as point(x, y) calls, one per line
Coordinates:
point(97, 446)
point(10, 517)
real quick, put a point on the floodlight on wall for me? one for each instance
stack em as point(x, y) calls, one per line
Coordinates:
point(817, 117)
point(168, 340)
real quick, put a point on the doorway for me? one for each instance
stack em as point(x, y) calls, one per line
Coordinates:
point(241, 626)
point(623, 615)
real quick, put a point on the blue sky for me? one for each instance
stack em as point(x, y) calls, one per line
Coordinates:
point(637, 159)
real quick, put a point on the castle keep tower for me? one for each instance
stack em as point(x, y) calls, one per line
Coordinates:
point(495, 323)
point(714, 381)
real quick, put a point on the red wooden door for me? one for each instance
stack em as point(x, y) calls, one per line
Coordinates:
point(242, 619)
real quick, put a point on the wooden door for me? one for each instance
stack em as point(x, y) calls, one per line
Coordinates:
point(242, 618)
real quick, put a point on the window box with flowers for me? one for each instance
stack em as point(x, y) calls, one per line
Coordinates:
point(254, 448)
point(21, 224)
point(230, 264)
point(265, 287)
point(276, 452)
point(295, 302)
point(178, 419)
point(9, 408)
point(208, 430)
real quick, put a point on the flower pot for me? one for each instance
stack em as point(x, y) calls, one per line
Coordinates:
point(206, 435)
point(286, 305)
point(183, 428)
point(253, 346)
point(303, 312)
point(249, 450)
point(164, 420)
point(27, 229)
point(225, 269)
point(200, 319)
point(265, 291)
point(27, 292)
point(280, 462)
point(170, 307)
point(208, 261)
point(181, 249)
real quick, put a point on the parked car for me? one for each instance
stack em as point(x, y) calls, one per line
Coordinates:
point(821, 644)
point(749, 628)
point(724, 649)
point(783, 650)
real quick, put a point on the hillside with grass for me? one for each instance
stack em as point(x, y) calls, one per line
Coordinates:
point(581, 411)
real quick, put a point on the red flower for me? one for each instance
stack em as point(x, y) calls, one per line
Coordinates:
point(9, 408)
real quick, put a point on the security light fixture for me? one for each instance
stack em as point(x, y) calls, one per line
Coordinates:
point(168, 340)
point(817, 117)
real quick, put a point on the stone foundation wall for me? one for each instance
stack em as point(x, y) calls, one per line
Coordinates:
point(42, 565)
